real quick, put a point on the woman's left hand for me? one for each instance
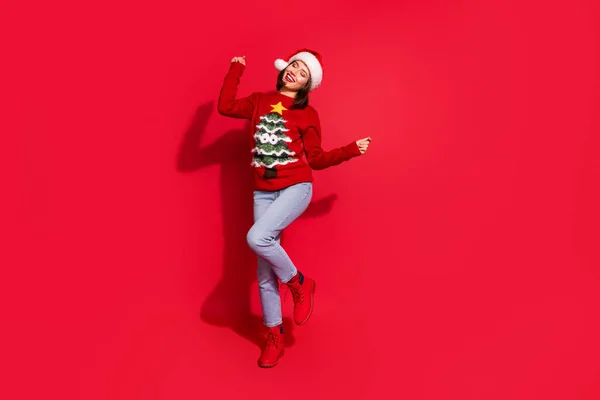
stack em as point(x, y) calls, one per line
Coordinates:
point(363, 144)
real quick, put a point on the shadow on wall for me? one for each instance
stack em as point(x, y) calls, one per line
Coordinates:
point(228, 305)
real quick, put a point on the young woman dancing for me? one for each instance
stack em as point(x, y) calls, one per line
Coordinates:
point(287, 137)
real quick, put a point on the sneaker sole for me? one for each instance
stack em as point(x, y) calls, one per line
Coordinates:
point(312, 304)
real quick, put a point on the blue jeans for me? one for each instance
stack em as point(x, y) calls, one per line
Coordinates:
point(273, 212)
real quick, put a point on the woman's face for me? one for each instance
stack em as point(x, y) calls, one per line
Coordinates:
point(295, 76)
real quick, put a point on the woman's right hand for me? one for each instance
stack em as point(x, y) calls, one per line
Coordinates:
point(241, 60)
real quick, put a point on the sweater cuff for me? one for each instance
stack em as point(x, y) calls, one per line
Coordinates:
point(352, 150)
point(237, 67)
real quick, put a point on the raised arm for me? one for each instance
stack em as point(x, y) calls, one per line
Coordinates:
point(228, 105)
point(317, 157)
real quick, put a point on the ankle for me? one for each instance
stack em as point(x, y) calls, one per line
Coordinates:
point(277, 329)
point(298, 278)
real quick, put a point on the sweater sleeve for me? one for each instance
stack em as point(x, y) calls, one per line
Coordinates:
point(319, 158)
point(228, 105)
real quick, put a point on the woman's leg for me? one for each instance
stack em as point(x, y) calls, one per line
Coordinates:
point(263, 237)
point(268, 286)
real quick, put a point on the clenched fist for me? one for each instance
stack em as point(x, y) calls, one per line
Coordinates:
point(241, 60)
point(363, 144)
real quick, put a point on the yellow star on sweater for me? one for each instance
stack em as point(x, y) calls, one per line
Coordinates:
point(278, 108)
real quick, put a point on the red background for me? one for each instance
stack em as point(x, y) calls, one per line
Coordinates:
point(456, 260)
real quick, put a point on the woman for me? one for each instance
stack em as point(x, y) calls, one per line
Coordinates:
point(287, 137)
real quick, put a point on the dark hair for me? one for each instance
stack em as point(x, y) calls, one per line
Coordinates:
point(301, 99)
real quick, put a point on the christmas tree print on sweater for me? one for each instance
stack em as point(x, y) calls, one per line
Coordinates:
point(270, 141)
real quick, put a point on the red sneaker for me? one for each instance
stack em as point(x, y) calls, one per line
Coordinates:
point(273, 348)
point(303, 292)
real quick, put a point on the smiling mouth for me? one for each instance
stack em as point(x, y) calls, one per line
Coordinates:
point(289, 78)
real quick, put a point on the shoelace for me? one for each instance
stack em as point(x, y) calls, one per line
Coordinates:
point(272, 339)
point(297, 293)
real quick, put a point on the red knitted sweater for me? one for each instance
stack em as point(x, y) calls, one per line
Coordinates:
point(287, 141)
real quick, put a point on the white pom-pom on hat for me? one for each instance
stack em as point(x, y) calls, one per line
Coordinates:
point(280, 64)
point(313, 61)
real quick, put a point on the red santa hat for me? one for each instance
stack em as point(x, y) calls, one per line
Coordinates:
point(313, 61)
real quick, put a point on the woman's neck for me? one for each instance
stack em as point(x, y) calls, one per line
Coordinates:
point(288, 93)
